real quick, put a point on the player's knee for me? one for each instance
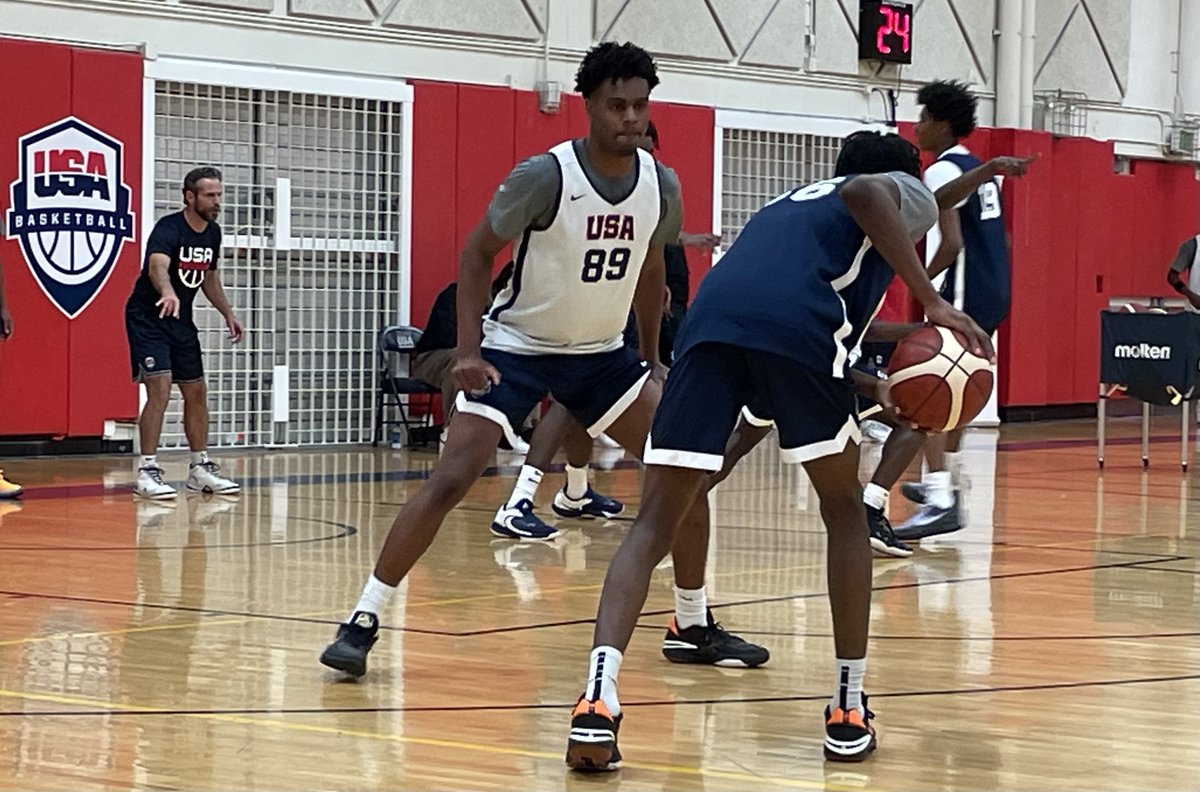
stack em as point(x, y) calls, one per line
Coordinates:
point(842, 504)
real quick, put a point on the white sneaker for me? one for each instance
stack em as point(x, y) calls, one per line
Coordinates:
point(205, 477)
point(150, 484)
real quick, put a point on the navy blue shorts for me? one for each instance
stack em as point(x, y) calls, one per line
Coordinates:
point(709, 384)
point(873, 361)
point(595, 388)
point(162, 346)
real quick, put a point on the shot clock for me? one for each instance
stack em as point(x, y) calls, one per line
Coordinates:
point(885, 31)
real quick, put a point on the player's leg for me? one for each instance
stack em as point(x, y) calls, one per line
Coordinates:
point(940, 512)
point(691, 429)
point(150, 359)
point(902, 446)
point(479, 424)
point(577, 499)
point(693, 635)
point(752, 428)
point(204, 475)
point(821, 431)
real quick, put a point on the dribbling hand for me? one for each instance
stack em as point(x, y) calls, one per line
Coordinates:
point(946, 315)
point(474, 374)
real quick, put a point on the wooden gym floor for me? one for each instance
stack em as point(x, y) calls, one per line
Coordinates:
point(1050, 645)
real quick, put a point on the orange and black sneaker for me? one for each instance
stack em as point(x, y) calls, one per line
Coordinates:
point(849, 736)
point(592, 745)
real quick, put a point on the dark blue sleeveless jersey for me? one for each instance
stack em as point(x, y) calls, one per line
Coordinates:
point(987, 290)
point(800, 281)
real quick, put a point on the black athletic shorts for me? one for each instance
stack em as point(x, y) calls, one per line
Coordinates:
point(162, 346)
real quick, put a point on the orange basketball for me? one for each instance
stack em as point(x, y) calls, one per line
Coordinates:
point(936, 382)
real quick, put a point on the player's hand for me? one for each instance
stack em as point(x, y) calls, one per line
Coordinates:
point(659, 372)
point(882, 395)
point(946, 315)
point(1192, 297)
point(236, 330)
point(474, 374)
point(667, 301)
point(1011, 166)
point(5, 323)
point(699, 241)
point(168, 305)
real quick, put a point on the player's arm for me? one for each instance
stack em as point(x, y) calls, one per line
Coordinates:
point(215, 292)
point(951, 243)
point(887, 332)
point(159, 267)
point(874, 388)
point(953, 193)
point(648, 304)
point(474, 289)
point(1181, 264)
point(874, 203)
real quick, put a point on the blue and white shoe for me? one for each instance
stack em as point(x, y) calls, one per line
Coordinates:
point(519, 522)
point(592, 504)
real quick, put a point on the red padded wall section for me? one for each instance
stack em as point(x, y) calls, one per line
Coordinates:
point(34, 362)
point(106, 92)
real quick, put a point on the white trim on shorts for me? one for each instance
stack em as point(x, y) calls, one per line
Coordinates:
point(874, 409)
point(754, 420)
point(693, 460)
point(824, 448)
point(462, 405)
point(619, 407)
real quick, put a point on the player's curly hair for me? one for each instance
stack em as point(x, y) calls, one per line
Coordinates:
point(952, 102)
point(609, 62)
point(191, 182)
point(868, 151)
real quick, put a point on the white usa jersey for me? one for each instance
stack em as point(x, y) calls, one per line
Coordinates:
point(573, 283)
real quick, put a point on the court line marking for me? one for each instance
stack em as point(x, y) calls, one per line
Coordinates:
point(461, 745)
point(249, 617)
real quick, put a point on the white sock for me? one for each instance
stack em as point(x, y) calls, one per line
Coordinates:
point(375, 597)
point(875, 496)
point(527, 484)
point(850, 675)
point(577, 481)
point(603, 668)
point(199, 457)
point(148, 460)
point(940, 494)
point(691, 608)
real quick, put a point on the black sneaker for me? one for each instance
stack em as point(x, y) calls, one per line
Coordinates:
point(592, 744)
point(711, 645)
point(849, 736)
point(883, 539)
point(931, 521)
point(354, 640)
point(917, 493)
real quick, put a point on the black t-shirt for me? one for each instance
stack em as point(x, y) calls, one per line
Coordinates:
point(192, 255)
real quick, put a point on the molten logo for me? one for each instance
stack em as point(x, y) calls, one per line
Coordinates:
point(70, 210)
point(1142, 351)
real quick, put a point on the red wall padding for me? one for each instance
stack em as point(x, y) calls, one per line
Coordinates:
point(489, 130)
point(61, 376)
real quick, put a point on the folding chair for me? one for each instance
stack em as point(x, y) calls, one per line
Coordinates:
point(398, 342)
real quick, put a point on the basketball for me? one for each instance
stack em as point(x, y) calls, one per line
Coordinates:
point(936, 382)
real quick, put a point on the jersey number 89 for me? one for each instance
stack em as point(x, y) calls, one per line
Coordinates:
point(608, 264)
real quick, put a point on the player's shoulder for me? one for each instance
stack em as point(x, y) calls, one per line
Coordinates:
point(538, 169)
point(668, 180)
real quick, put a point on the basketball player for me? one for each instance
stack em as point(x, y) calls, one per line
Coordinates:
point(164, 345)
point(8, 489)
point(971, 248)
point(776, 320)
point(516, 518)
point(589, 245)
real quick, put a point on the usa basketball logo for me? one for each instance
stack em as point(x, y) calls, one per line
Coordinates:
point(70, 210)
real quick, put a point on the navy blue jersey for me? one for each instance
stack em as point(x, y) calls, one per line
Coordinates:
point(987, 291)
point(802, 280)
